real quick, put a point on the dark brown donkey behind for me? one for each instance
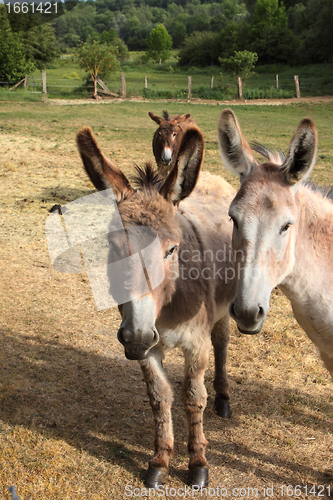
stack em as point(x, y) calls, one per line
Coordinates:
point(167, 138)
point(189, 309)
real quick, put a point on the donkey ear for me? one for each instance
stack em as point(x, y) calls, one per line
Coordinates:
point(183, 177)
point(183, 118)
point(235, 152)
point(155, 118)
point(302, 152)
point(101, 171)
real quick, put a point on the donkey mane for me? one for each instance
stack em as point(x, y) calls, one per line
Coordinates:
point(324, 191)
point(147, 177)
point(276, 157)
point(166, 116)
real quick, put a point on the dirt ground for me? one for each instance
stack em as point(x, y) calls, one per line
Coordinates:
point(257, 102)
point(75, 421)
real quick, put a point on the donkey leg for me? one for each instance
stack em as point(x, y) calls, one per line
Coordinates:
point(220, 340)
point(160, 397)
point(194, 397)
point(328, 361)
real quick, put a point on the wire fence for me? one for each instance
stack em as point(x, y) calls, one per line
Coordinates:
point(180, 86)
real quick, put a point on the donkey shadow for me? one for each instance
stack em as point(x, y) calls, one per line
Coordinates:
point(62, 195)
point(97, 402)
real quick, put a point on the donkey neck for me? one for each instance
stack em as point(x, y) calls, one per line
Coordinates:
point(311, 276)
point(204, 253)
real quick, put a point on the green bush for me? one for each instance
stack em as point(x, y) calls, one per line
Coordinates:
point(266, 93)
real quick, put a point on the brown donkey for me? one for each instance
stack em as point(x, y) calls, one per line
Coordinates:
point(189, 308)
point(283, 233)
point(167, 138)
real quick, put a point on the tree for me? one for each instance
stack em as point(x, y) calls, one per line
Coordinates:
point(315, 22)
point(39, 45)
point(99, 59)
point(14, 63)
point(178, 33)
point(269, 35)
point(231, 39)
point(111, 38)
point(240, 65)
point(200, 49)
point(269, 12)
point(159, 43)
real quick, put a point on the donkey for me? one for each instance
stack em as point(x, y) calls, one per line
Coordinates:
point(167, 138)
point(189, 309)
point(283, 233)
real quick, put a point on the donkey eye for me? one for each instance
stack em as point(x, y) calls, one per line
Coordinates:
point(174, 135)
point(285, 227)
point(170, 251)
point(234, 221)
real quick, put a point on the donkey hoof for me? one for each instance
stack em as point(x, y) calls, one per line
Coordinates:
point(156, 477)
point(222, 408)
point(198, 476)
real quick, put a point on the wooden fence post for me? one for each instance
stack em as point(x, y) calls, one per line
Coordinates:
point(240, 88)
point(212, 81)
point(277, 81)
point(123, 85)
point(146, 82)
point(44, 86)
point(189, 87)
point(298, 93)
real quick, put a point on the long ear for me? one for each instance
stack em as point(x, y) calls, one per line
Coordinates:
point(101, 171)
point(184, 175)
point(155, 118)
point(235, 152)
point(302, 152)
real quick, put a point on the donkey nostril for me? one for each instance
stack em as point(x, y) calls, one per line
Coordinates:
point(261, 312)
point(120, 335)
point(156, 337)
point(232, 310)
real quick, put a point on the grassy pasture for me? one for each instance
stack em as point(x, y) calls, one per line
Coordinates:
point(75, 421)
point(65, 79)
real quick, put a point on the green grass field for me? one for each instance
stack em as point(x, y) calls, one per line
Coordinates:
point(128, 123)
point(65, 79)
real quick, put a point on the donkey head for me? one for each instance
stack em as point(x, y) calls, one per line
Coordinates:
point(264, 213)
point(166, 140)
point(148, 215)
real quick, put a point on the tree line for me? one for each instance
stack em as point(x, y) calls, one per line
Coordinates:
point(288, 32)
point(291, 32)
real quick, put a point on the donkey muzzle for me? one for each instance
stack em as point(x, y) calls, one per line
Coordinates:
point(137, 344)
point(249, 320)
point(137, 332)
point(166, 156)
